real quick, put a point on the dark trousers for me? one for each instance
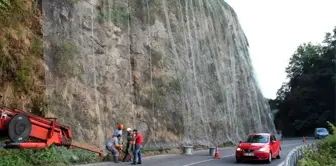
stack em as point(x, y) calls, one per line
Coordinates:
point(127, 152)
point(137, 154)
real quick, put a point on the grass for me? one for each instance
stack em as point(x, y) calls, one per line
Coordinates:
point(23, 78)
point(54, 155)
point(326, 154)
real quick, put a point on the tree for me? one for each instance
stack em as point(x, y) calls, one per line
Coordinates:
point(307, 100)
point(273, 103)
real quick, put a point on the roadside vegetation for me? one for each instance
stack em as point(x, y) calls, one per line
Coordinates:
point(307, 100)
point(55, 156)
point(21, 54)
point(326, 153)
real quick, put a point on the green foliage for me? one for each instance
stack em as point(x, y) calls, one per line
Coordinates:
point(4, 4)
point(313, 158)
point(21, 45)
point(56, 156)
point(175, 85)
point(118, 15)
point(14, 12)
point(325, 156)
point(36, 47)
point(272, 103)
point(273, 106)
point(307, 100)
point(23, 78)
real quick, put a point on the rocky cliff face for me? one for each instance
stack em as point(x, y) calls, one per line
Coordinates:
point(177, 70)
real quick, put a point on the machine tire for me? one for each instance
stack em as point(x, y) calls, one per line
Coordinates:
point(19, 128)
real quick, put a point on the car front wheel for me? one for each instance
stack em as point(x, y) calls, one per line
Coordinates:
point(238, 160)
point(269, 157)
point(279, 154)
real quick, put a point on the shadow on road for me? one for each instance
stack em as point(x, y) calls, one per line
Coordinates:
point(253, 162)
point(232, 161)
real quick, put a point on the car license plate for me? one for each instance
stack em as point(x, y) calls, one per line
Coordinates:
point(248, 154)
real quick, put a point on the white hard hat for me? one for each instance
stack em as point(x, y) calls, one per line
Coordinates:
point(128, 129)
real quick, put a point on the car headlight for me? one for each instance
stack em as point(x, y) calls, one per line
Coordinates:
point(239, 149)
point(263, 149)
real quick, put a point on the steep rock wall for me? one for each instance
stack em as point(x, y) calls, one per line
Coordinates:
point(177, 70)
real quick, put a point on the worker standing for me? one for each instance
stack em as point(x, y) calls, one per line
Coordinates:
point(129, 145)
point(138, 146)
point(112, 146)
point(118, 131)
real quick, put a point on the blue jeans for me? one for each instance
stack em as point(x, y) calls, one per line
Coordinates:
point(114, 151)
point(137, 153)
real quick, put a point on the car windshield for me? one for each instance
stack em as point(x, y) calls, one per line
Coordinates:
point(257, 139)
point(322, 130)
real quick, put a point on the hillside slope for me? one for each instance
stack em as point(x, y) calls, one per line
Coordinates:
point(179, 71)
point(22, 71)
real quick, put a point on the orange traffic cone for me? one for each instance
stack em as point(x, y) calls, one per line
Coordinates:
point(217, 153)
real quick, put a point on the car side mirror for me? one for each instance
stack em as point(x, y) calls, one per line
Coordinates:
point(240, 142)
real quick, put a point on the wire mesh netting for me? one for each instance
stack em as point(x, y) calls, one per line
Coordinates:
point(177, 70)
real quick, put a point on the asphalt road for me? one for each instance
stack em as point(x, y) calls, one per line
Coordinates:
point(202, 158)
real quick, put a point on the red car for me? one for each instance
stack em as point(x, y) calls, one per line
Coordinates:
point(258, 146)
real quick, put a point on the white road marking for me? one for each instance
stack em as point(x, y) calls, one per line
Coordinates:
point(203, 161)
point(199, 162)
point(160, 156)
point(206, 161)
point(282, 164)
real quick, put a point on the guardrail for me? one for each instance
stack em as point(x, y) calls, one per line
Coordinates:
point(296, 154)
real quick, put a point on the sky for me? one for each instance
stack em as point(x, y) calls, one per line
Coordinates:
point(275, 28)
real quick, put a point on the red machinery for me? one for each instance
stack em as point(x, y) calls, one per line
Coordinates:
point(26, 130)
